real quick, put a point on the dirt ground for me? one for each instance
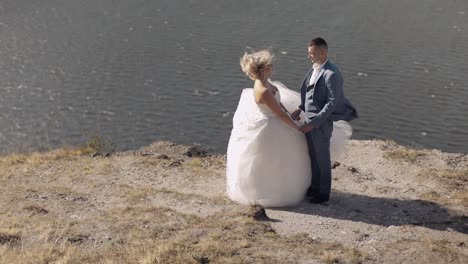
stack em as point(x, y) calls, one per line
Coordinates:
point(166, 203)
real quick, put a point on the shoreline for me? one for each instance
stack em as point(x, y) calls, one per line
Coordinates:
point(101, 144)
point(165, 203)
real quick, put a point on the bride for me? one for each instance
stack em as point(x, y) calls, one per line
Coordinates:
point(267, 157)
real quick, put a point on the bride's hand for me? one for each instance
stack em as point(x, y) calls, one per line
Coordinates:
point(306, 128)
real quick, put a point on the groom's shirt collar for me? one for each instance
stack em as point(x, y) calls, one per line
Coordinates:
point(318, 67)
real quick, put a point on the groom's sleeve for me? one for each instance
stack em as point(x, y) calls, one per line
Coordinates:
point(334, 85)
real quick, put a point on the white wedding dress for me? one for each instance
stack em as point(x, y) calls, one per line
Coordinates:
point(267, 161)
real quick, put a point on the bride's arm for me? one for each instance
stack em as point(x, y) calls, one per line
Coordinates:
point(264, 96)
point(284, 108)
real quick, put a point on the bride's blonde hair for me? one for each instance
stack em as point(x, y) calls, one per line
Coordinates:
point(253, 63)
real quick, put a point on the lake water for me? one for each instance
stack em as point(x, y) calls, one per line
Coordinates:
point(137, 71)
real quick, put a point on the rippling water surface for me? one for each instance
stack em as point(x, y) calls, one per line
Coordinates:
point(136, 71)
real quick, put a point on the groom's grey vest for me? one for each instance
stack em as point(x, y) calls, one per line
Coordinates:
point(314, 97)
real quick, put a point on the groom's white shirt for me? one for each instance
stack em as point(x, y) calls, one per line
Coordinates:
point(317, 69)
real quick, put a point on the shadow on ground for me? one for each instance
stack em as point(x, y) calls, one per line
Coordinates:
point(385, 212)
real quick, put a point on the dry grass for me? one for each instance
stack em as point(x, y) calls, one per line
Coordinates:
point(79, 209)
point(179, 196)
point(400, 153)
point(29, 163)
point(160, 235)
point(132, 194)
point(335, 253)
point(330, 257)
point(429, 250)
point(58, 207)
point(454, 180)
point(431, 196)
point(8, 236)
point(461, 198)
point(442, 247)
point(45, 224)
point(456, 198)
point(385, 189)
point(35, 209)
point(448, 174)
point(205, 167)
point(137, 195)
point(196, 163)
point(152, 162)
point(94, 145)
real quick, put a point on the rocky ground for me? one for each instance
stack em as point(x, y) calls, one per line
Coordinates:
point(166, 203)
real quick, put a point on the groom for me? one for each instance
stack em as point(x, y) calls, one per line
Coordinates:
point(323, 102)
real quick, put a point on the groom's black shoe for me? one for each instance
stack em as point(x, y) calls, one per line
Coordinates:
point(319, 199)
point(310, 193)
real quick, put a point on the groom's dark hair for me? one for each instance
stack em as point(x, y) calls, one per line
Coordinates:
point(318, 42)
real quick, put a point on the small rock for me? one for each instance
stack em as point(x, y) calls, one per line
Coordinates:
point(201, 260)
point(175, 164)
point(196, 151)
point(9, 239)
point(96, 154)
point(80, 199)
point(162, 156)
point(257, 212)
point(37, 210)
point(77, 238)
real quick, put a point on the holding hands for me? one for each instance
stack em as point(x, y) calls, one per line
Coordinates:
point(306, 128)
point(296, 117)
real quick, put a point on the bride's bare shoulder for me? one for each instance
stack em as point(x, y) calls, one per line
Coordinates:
point(260, 91)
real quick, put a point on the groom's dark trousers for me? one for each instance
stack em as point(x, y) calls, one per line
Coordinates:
point(319, 151)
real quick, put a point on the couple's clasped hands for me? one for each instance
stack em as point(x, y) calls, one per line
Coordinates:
point(296, 117)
